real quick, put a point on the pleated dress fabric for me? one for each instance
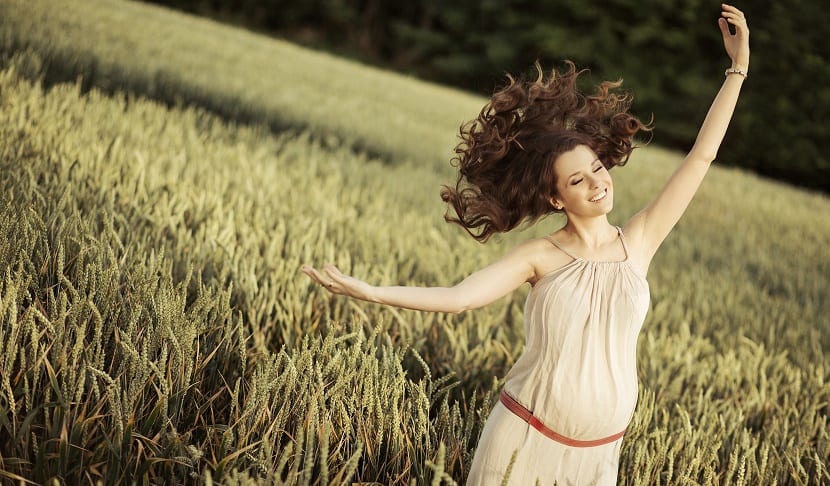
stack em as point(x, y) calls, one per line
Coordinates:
point(577, 375)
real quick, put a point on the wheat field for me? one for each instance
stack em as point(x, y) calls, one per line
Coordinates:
point(154, 326)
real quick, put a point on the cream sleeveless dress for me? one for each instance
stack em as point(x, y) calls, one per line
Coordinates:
point(577, 375)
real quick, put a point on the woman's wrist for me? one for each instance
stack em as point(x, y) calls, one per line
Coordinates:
point(740, 66)
point(736, 72)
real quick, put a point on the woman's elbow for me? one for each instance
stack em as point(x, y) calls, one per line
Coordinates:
point(459, 307)
point(702, 155)
point(461, 302)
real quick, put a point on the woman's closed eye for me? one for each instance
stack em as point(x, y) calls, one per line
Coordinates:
point(596, 169)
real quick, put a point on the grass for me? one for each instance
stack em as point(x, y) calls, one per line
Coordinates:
point(154, 326)
point(174, 57)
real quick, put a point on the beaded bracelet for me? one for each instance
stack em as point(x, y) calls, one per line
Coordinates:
point(735, 71)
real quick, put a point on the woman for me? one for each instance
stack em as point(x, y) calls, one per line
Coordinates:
point(540, 147)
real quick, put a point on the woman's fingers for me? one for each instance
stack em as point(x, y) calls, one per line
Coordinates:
point(731, 9)
point(313, 273)
point(318, 277)
point(333, 275)
point(332, 270)
point(733, 15)
point(330, 277)
point(338, 283)
point(733, 18)
point(724, 26)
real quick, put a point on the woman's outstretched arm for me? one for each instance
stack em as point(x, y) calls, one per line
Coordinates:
point(477, 290)
point(653, 224)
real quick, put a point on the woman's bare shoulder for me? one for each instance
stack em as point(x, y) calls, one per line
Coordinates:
point(543, 256)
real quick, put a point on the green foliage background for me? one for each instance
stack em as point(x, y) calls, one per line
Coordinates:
point(668, 51)
point(154, 326)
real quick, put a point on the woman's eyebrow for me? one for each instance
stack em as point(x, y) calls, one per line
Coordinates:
point(577, 172)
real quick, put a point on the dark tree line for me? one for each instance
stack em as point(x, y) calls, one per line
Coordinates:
point(668, 52)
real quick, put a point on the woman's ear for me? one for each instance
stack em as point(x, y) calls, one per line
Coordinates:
point(556, 204)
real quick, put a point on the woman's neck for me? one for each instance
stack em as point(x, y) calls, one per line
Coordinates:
point(591, 232)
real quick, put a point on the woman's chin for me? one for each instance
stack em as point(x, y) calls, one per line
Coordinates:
point(605, 206)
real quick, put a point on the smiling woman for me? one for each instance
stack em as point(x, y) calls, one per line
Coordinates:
point(541, 147)
point(504, 159)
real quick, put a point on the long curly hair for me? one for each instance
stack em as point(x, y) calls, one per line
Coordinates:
point(505, 156)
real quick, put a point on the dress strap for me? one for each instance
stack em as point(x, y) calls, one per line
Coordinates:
point(625, 245)
point(550, 238)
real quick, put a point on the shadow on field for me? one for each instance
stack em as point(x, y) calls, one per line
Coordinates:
point(167, 88)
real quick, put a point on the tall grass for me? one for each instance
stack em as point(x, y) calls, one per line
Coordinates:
point(153, 322)
point(154, 326)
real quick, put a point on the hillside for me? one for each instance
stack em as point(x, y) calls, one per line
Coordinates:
point(179, 59)
point(154, 325)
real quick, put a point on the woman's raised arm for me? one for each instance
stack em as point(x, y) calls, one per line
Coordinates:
point(477, 290)
point(651, 225)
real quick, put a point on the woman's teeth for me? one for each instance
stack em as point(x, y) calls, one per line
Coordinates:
point(599, 196)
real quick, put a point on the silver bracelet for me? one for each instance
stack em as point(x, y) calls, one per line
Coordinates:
point(735, 71)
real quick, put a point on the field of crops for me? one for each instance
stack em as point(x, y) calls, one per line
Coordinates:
point(154, 325)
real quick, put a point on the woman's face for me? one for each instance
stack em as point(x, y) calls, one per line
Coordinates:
point(583, 185)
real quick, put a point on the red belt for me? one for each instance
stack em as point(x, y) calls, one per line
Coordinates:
point(534, 422)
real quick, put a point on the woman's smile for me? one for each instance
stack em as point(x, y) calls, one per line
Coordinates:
point(600, 196)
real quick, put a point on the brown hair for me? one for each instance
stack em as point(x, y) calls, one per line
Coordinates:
point(505, 157)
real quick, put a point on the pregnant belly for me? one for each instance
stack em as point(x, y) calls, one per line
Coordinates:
point(583, 404)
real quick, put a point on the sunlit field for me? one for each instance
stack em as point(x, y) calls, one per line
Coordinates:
point(154, 326)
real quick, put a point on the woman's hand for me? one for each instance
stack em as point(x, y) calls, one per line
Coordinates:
point(737, 44)
point(338, 283)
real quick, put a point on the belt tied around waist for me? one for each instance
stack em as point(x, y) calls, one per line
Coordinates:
point(526, 415)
